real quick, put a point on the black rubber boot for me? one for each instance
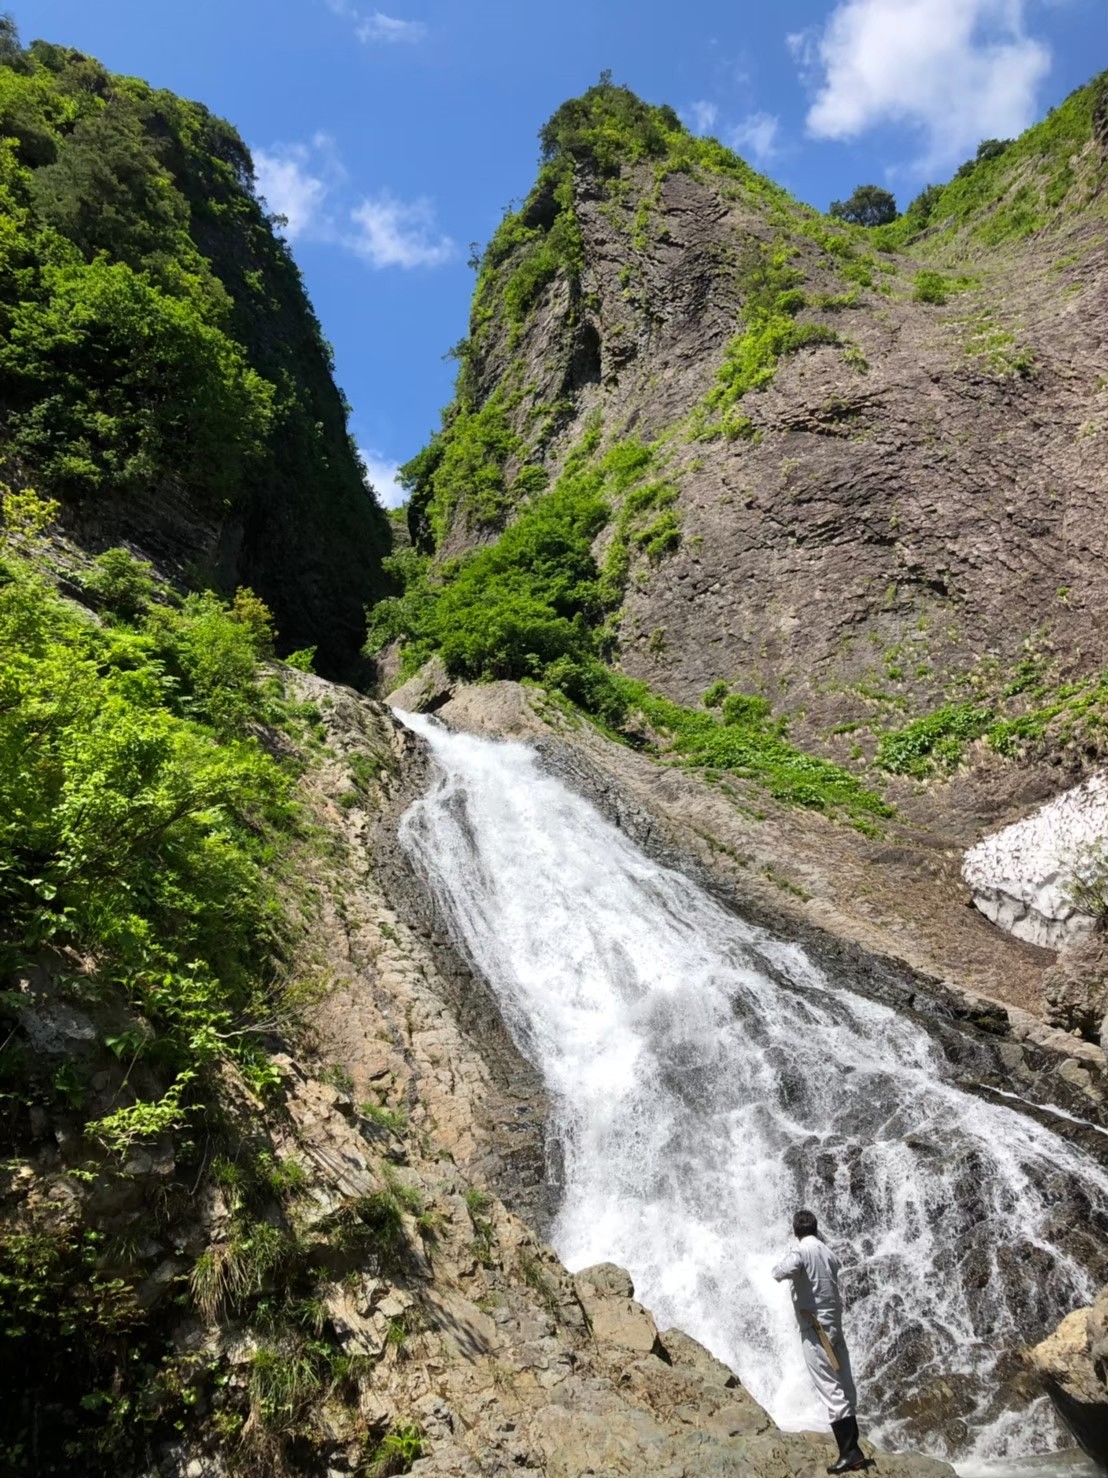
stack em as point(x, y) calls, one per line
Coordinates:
point(850, 1458)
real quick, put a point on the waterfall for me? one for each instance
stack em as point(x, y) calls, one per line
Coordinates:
point(706, 1079)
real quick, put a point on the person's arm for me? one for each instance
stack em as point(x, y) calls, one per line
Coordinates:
point(789, 1266)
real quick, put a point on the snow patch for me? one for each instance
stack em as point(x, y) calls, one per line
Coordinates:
point(1022, 876)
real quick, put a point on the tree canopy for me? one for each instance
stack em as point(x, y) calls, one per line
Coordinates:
point(870, 205)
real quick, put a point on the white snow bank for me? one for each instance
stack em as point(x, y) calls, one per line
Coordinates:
point(1021, 876)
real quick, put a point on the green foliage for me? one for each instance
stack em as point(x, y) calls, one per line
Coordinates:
point(770, 302)
point(138, 824)
point(229, 1274)
point(114, 384)
point(930, 287)
point(1010, 189)
point(935, 741)
point(65, 1327)
point(302, 660)
point(510, 608)
point(156, 344)
point(744, 744)
point(122, 581)
point(936, 287)
point(870, 205)
point(463, 472)
point(400, 1447)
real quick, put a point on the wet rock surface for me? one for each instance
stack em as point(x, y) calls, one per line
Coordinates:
point(1072, 1364)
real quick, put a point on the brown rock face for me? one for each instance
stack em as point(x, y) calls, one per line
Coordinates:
point(1075, 990)
point(1073, 1366)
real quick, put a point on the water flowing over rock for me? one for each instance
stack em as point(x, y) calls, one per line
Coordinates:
point(706, 1078)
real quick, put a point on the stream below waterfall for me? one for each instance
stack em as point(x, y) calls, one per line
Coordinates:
point(706, 1078)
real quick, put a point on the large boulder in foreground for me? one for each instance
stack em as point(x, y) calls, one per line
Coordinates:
point(1073, 1366)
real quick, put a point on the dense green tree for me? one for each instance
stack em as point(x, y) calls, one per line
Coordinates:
point(107, 190)
point(870, 205)
point(157, 349)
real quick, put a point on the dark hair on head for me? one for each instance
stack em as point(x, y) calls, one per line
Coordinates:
point(804, 1224)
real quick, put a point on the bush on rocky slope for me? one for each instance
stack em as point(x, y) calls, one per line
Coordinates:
point(1014, 187)
point(143, 828)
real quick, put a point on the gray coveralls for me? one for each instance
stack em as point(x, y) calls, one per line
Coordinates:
point(813, 1272)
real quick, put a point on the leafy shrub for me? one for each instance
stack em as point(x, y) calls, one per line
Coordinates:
point(463, 472)
point(141, 830)
point(935, 741)
point(930, 287)
point(123, 582)
point(745, 710)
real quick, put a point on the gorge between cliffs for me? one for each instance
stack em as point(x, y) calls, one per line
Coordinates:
point(441, 947)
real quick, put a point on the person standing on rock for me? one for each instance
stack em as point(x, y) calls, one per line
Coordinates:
point(812, 1270)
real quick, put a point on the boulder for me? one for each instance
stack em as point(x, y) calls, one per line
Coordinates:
point(1075, 989)
point(1072, 1364)
point(429, 689)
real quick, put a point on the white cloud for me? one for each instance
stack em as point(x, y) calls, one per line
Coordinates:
point(307, 183)
point(701, 116)
point(381, 473)
point(398, 233)
point(378, 27)
point(956, 70)
point(756, 135)
point(288, 186)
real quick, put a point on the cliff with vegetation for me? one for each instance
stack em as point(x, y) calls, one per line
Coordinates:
point(807, 508)
point(162, 373)
point(715, 455)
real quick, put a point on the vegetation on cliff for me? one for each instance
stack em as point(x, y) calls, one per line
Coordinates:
point(156, 345)
point(528, 475)
point(151, 957)
point(1012, 187)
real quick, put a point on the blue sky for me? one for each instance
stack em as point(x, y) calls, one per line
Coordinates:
point(393, 138)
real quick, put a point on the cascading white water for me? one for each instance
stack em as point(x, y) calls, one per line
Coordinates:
point(706, 1079)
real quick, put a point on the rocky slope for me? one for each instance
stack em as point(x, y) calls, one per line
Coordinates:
point(412, 1321)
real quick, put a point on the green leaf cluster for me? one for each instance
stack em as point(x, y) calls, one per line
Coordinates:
point(139, 819)
point(771, 300)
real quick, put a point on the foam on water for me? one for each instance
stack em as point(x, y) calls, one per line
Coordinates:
point(706, 1079)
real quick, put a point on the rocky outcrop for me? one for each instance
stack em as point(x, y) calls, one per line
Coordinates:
point(1075, 990)
point(476, 1335)
point(1073, 1366)
point(881, 536)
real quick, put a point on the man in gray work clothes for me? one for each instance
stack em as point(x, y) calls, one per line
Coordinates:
point(813, 1273)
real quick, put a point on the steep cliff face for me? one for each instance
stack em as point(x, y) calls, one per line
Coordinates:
point(867, 477)
point(162, 372)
